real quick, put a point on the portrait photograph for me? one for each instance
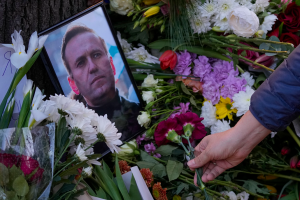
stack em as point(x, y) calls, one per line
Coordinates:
point(89, 66)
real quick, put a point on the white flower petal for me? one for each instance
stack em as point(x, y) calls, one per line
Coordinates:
point(33, 44)
point(42, 40)
point(19, 59)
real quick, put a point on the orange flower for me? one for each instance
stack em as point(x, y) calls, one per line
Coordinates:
point(158, 192)
point(190, 82)
point(124, 168)
point(147, 176)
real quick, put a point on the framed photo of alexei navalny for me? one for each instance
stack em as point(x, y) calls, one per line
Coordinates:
point(85, 62)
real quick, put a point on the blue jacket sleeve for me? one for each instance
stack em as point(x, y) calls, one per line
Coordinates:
point(276, 103)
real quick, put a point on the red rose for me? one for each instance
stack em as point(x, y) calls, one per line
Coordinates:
point(168, 59)
point(9, 159)
point(290, 38)
point(28, 165)
point(291, 17)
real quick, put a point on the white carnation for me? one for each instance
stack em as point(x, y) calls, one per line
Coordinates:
point(149, 81)
point(245, 3)
point(209, 114)
point(220, 126)
point(260, 6)
point(269, 21)
point(243, 22)
point(148, 96)
point(208, 8)
point(231, 195)
point(121, 7)
point(242, 101)
point(243, 196)
point(247, 76)
point(225, 7)
point(124, 44)
point(141, 55)
point(200, 24)
point(143, 119)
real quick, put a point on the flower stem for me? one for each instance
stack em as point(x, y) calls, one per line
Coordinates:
point(122, 158)
point(63, 168)
point(294, 136)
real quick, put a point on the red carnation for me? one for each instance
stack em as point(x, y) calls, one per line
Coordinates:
point(168, 59)
point(291, 17)
point(290, 38)
point(195, 121)
point(28, 165)
point(9, 159)
point(161, 132)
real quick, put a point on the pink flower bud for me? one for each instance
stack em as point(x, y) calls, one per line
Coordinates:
point(264, 60)
point(298, 164)
point(293, 161)
point(285, 151)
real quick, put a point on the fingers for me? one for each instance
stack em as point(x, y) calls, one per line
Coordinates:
point(212, 172)
point(199, 161)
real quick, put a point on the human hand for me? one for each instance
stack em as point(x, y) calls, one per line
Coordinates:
point(221, 151)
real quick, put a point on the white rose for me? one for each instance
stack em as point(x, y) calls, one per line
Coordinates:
point(243, 22)
point(149, 81)
point(148, 96)
point(143, 119)
point(126, 149)
point(121, 7)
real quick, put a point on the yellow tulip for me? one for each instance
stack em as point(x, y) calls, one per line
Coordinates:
point(150, 2)
point(152, 11)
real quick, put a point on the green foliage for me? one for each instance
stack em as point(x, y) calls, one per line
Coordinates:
point(4, 176)
point(174, 169)
point(159, 170)
point(297, 2)
point(260, 79)
point(165, 150)
point(14, 172)
point(180, 187)
point(255, 187)
point(107, 170)
point(145, 164)
point(146, 157)
point(4, 122)
point(134, 192)
point(120, 182)
point(20, 186)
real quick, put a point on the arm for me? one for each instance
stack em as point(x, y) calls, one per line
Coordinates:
point(273, 106)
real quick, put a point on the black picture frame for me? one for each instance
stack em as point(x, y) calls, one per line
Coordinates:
point(53, 76)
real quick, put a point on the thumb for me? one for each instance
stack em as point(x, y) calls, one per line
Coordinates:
point(199, 161)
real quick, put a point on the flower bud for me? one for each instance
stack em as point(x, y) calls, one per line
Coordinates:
point(217, 29)
point(143, 20)
point(136, 24)
point(152, 11)
point(150, 132)
point(293, 161)
point(143, 28)
point(160, 22)
point(285, 151)
point(129, 149)
point(259, 34)
point(162, 28)
point(129, 14)
point(138, 7)
point(173, 137)
point(188, 129)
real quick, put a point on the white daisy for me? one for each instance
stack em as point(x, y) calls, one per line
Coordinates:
point(209, 114)
point(269, 21)
point(247, 76)
point(87, 171)
point(124, 44)
point(220, 126)
point(208, 8)
point(223, 24)
point(245, 3)
point(108, 133)
point(141, 55)
point(148, 96)
point(80, 153)
point(67, 105)
point(260, 6)
point(225, 7)
point(200, 24)
point(242, 101)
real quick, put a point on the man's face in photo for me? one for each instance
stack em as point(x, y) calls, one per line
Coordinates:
point(90, 68)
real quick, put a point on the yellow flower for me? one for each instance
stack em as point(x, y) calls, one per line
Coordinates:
point(152, 11)
point(224, 108)
point(176, 197)
point(150, 2)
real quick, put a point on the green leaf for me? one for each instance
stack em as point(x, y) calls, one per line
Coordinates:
point(101, 193)
point(165, 150)
point(94, 156)
point(264, 46)
point(4, 175)
point(297, 2)
point(134, 192)
point(11, 195)
point(280, 29)
point(181, 187)
point(159, 170)
point(107, 170)
point(260, 78)
point(159, 44)
point(14, 172)
point(184, 89)
point(6, 117)
point(193, 102)
point(146, 157)
point(205, 52)
point(132, 62)
point(120, 181)
point(20, 186)
point(174, 169)
point(274, 38)
point(60, 131)
point(24, 110)
point(72, 170)
point(253, 186)
point(145, 164)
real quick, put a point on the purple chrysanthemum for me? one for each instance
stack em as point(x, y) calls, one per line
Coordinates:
point(202, 67)
point(224, 69)
point(233, 85)
point(184, 60)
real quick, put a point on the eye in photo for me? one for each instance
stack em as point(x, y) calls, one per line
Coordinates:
point(85, 63)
